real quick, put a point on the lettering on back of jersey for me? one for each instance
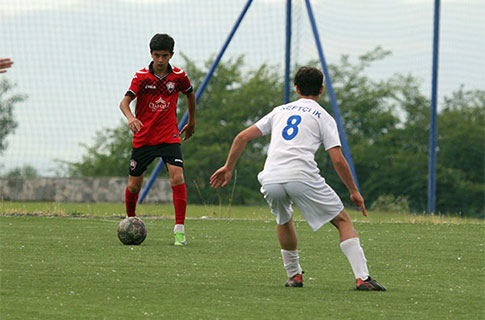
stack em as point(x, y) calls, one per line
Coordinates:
point(301, 109)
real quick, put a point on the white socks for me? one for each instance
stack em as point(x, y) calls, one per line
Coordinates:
point(354, 252)
point(291, 261)
point(179, 228)
point(350, 247)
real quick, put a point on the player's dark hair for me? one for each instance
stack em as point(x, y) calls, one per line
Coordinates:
point(309, 80)
point(162, 42)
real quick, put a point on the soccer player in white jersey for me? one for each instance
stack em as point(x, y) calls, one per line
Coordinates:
point(291, 175)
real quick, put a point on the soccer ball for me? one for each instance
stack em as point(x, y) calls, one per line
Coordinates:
point(132, 231)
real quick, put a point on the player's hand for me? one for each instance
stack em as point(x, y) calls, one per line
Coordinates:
point(4, 64)
point(357, 198)
point(135, 125)
point(189, 130)
point(220, 178)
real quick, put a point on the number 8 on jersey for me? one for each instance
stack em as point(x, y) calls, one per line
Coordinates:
point(292, 126)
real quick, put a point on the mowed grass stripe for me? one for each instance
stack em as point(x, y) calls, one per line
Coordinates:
point(57, 268)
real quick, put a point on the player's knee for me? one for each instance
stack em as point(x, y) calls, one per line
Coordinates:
point(176, 180)
point(134, 186)
point(341, 219)
point(284, 220)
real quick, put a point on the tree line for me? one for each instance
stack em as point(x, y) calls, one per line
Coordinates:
point(386, 124)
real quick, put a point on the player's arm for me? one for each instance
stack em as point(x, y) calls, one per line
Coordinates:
point(134, 124)
point(189, 128)
point(343, 170)
point(223, 175)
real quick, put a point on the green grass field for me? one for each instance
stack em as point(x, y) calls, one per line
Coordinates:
point(71, 267)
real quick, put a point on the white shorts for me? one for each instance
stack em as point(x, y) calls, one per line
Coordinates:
point(318, 202)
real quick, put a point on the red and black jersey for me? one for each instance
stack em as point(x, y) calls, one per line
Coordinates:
point(157, 104)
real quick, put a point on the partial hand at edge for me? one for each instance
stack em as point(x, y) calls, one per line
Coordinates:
point(358, 200)
point(220, 178)
point(189, 130)
point(4, 64)
point(135, 125)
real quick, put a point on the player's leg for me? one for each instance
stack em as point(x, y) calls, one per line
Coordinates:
point(179, 196)
point(350, 245)
point(281, 207)
point(140, 159)
point(344, 225)
point(131, 194)
point(289, 252)
point(319, 204)
point(171, 154)
point(287, 236)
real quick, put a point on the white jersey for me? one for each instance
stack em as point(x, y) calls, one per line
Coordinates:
point(297, 131)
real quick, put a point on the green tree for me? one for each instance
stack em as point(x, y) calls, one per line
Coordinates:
point(232, 101)
point(26, 171)
point(386, 123)
point(7, 104)
point(461, 155)
point(371, 112)
point(394, 162)
point(387, 127)
point(107, 157)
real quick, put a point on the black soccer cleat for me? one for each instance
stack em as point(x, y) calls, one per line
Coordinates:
point(295, 281)
point(369, 285)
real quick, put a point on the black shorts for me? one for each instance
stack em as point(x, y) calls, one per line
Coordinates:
point(142, 157)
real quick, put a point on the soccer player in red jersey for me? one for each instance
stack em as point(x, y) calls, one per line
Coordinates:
point(154, 125)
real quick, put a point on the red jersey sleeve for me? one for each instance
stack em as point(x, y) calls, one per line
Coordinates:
point(185, 85)
point(134, 87)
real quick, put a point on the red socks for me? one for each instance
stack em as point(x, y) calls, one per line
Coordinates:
point(130, 202)
point(179, 202)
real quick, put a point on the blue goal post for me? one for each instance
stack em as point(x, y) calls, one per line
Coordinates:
point(331, 93)
point(433, 131)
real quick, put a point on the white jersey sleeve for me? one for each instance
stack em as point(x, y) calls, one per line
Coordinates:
point(264, 124)
point(329, 132)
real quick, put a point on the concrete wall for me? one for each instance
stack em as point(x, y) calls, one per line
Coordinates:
point(78, 190)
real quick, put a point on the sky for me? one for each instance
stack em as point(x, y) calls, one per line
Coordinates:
point(75, 58)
